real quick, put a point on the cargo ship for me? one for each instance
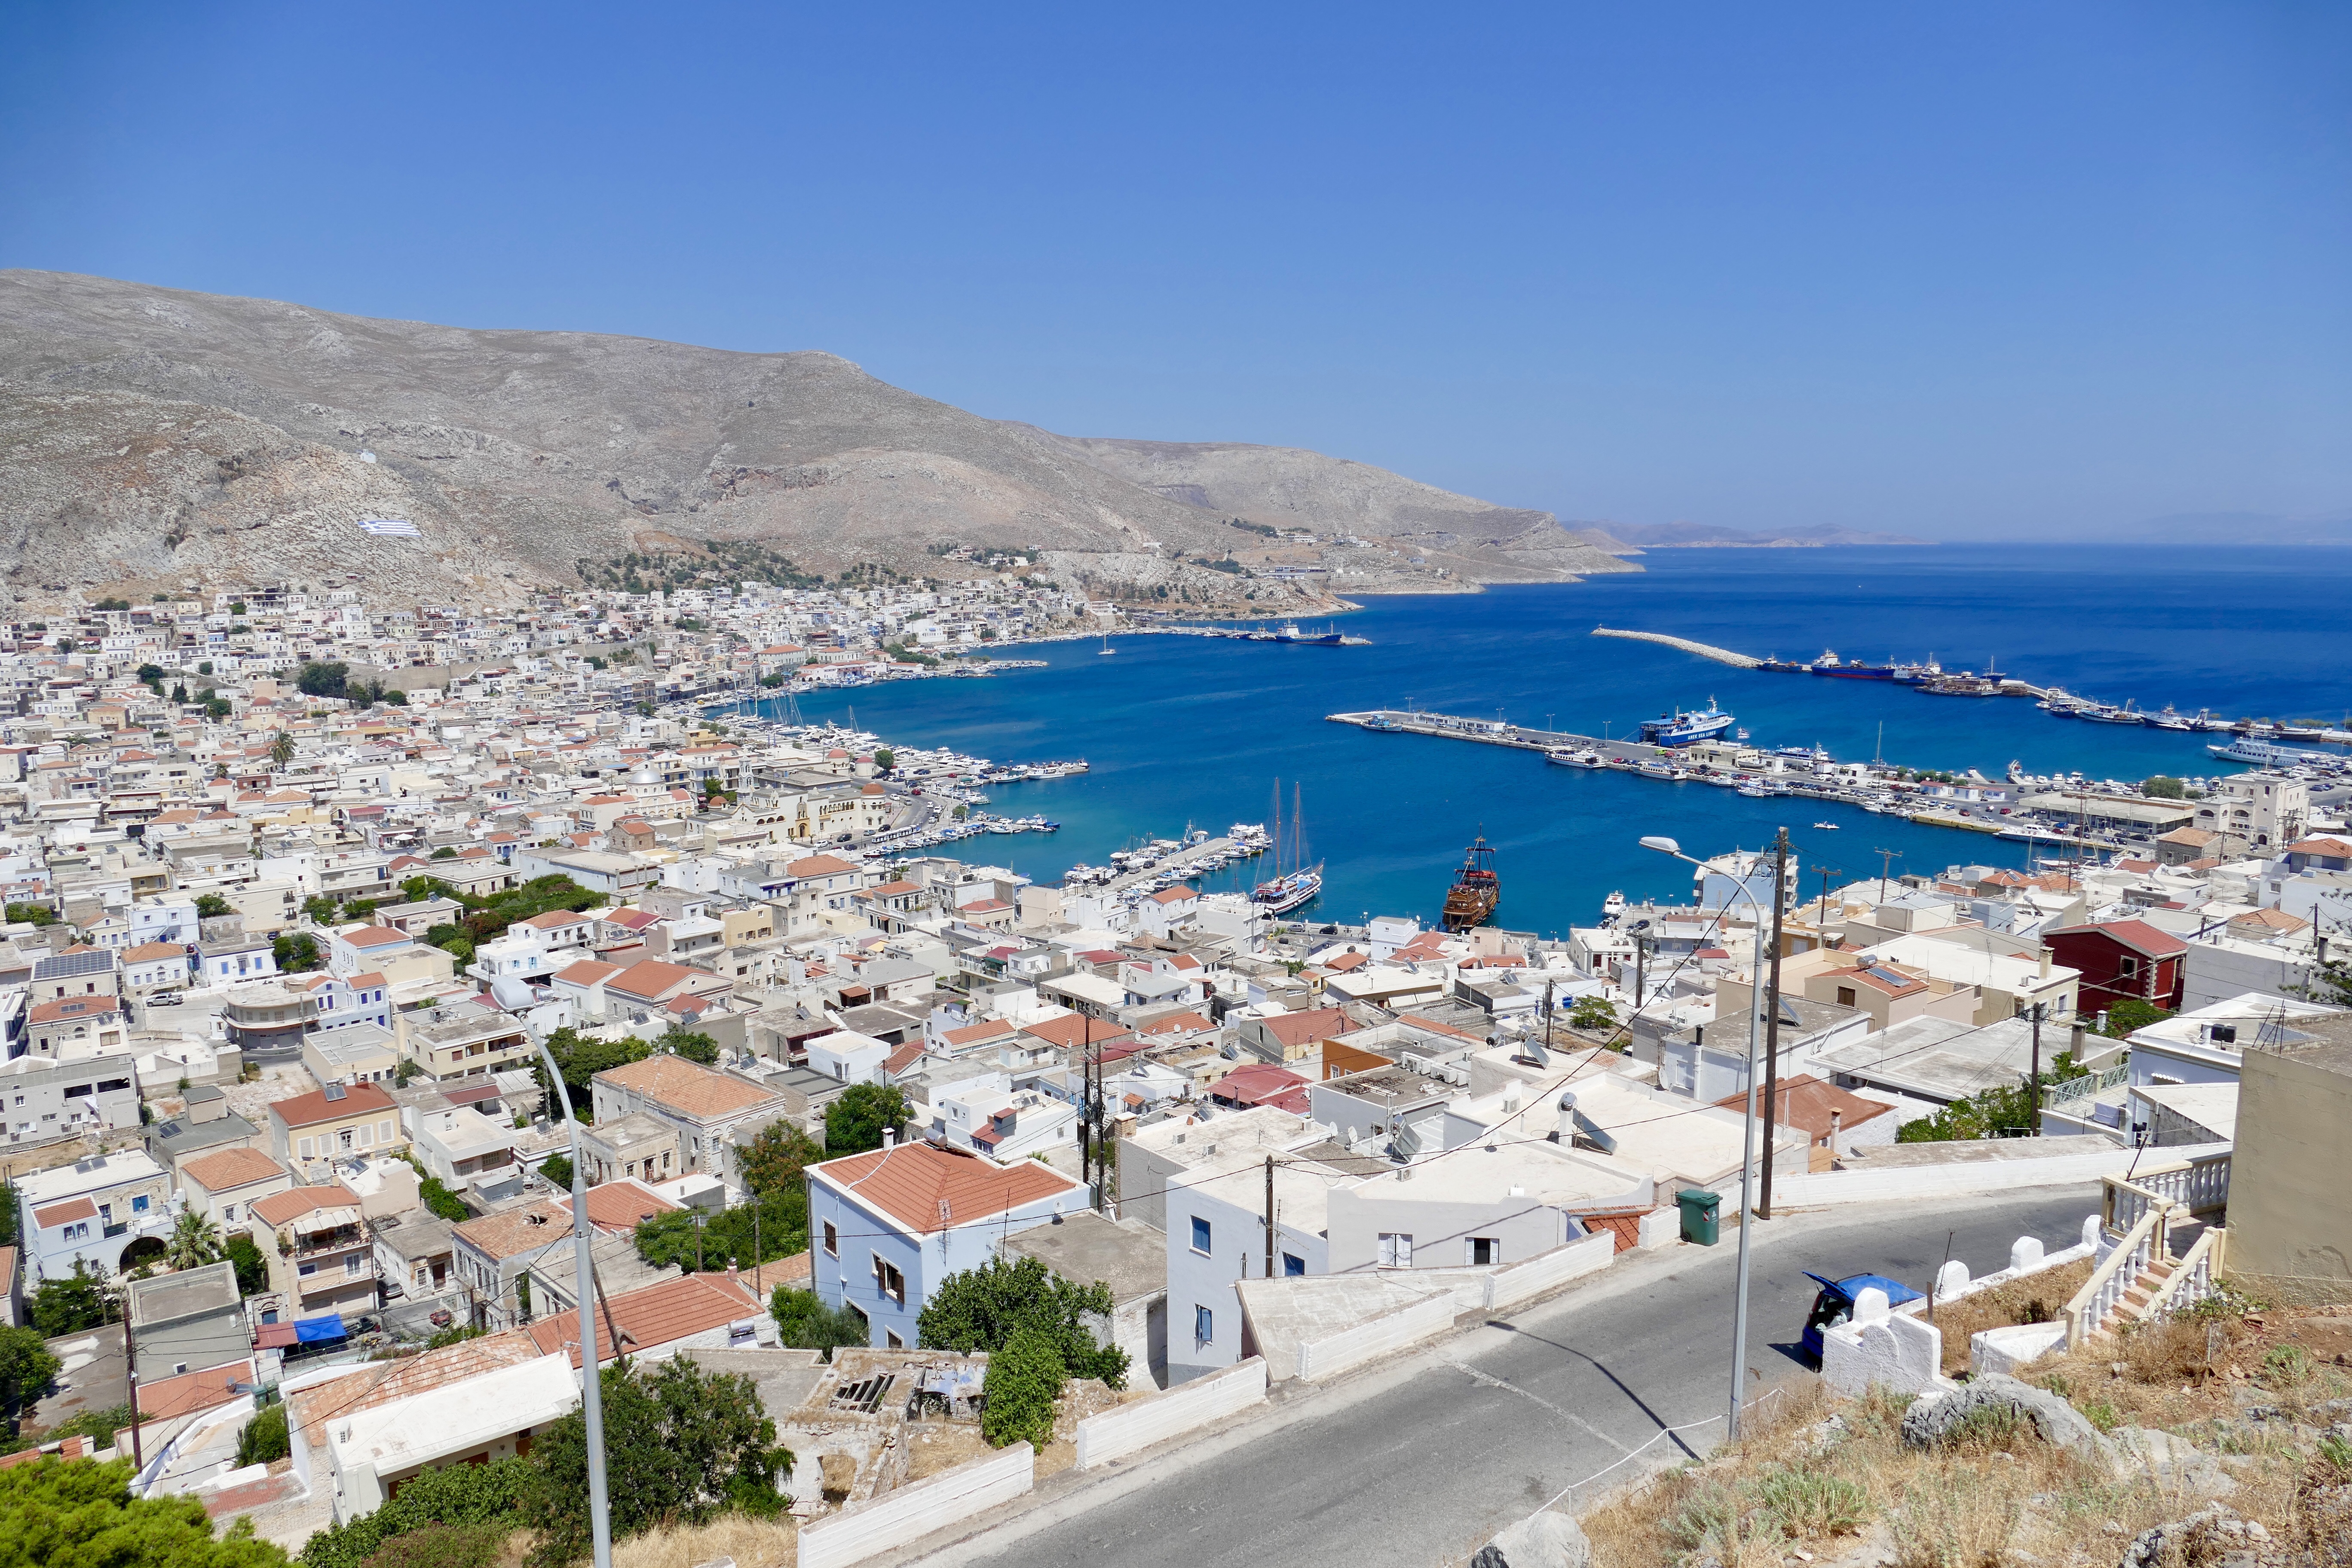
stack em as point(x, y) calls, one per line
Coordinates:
point(1829, 664)
point(1477, 889)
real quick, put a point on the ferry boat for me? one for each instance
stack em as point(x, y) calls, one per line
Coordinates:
point(1477, 889)
point(2268, 754)
point(1919, 674)
point(1570, 757)
point(1681, 729)
point(1829, 664)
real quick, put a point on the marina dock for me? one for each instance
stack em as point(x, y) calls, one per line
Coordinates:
point(1178, 866)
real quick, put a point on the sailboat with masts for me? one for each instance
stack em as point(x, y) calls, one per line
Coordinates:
point(1295, 884)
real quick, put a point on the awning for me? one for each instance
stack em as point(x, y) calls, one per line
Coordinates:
point(318, 1331)
point(273, 1336)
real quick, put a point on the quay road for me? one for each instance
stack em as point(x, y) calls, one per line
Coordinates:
point(1413, 1463)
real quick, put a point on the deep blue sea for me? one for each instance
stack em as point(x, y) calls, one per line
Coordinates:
point(1186, 731)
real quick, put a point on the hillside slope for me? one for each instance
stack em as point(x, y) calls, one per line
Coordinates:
point(151, 434)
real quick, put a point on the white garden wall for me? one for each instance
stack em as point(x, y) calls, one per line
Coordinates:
point(893, 1519)
point(1115, 1434)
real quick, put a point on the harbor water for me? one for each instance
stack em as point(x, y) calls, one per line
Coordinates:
point(1195, 730)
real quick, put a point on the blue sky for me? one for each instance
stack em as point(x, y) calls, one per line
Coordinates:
point(1965, 271)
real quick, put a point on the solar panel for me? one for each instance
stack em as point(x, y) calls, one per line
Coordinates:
point(335, 1092)
point(67, 965)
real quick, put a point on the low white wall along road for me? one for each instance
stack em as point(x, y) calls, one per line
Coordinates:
point(1353, 1347)
point(1115, 1434)
point(895, 1519)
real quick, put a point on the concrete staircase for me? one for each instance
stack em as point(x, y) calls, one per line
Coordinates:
point(2142, 1291)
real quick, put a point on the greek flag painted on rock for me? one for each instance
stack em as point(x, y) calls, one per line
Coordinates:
point(391, 528)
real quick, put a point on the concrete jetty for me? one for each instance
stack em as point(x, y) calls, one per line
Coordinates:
point(1705, 650)
point(1178, 867)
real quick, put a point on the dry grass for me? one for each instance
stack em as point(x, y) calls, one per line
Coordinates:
point(1851, 1492)
point(752, 1542)
point(2038, 1298)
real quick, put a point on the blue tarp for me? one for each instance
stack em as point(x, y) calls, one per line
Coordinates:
point(316, 1331)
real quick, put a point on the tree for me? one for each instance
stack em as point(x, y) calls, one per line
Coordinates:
point(854, 1122)
point(70, 1303)
point(26, 1367)
point(151, 675)
point(281, 749)
point(79, 1515)
point(33, 914)
point(772, 1226)
point(211, 906)
point(252, 1268)
point(1593, 1013)
point(694, 1047)
point(8, 1220)
point(580, 1058)
point(194, 1240)
point(323, 680)
point(682, 1446)
point(1023, 1381)
point(984, 1308)
point(773, 1161)
point(885, 759)
point(264, 1437)
point(2164, 787)
point(296, 954)
point(803, 1322)
point(179, 692)
point(557, 1168)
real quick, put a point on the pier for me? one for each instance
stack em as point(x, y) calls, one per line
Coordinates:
point(1178, 865)
point(1705, 650)
point(1873, 787)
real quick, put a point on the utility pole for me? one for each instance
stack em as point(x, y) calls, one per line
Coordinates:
point(1886, 858)
point(2033, 1125)
point(131, 1365)
point(591, 1382)
point(1269, 1217)
point(1772, 1024)
point(698, 1241)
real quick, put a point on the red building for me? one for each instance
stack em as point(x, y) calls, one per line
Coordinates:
point(2120, 960)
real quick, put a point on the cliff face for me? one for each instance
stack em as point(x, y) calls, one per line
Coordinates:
point(152, 436)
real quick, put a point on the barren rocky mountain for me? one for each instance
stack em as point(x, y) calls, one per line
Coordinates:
point(153, 437)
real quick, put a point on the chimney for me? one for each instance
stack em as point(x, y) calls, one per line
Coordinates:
point(889, 1137)
point(1836, 1116)
point(2046, 964)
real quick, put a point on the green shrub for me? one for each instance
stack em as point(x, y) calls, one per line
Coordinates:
point(1810, 1505)
point(443, 1546)
point(483, 1495)
point(1023, 1381)
point(264, 1437)
point(803, 1322)
point(984, 1309)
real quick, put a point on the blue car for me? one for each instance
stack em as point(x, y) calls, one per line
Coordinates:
point(1834, 1303)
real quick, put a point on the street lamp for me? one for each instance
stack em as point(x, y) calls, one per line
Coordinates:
point(1665, 846)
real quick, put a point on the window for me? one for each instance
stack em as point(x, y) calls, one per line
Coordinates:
point(832, 1240)
point(1396, 1249)
point(304, 1149)
point(383, 1130)
point(367, 1136)
point(306, 1268)
point(344, 1139)
point(1204, 1325)
point(889, 1281)
point(1201, 1238)
point(1846, 995)
point(228, 1214)
point(139, 1204)
point(893, 1341)
point(2126, 967)
point(1292, 1266)
point(351, 1266)
point(1485, 1250)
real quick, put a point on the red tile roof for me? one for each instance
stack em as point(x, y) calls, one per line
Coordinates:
point(309, 1110)
point(927, 1189)
point(655, 1316)
point(217, 1173)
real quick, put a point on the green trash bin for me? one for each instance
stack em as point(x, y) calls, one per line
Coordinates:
point(1702, 1216)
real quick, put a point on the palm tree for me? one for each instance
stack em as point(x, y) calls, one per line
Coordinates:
point(281, 750)
point(194, 1240)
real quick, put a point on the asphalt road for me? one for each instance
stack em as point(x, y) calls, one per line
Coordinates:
point(1413, 1465)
